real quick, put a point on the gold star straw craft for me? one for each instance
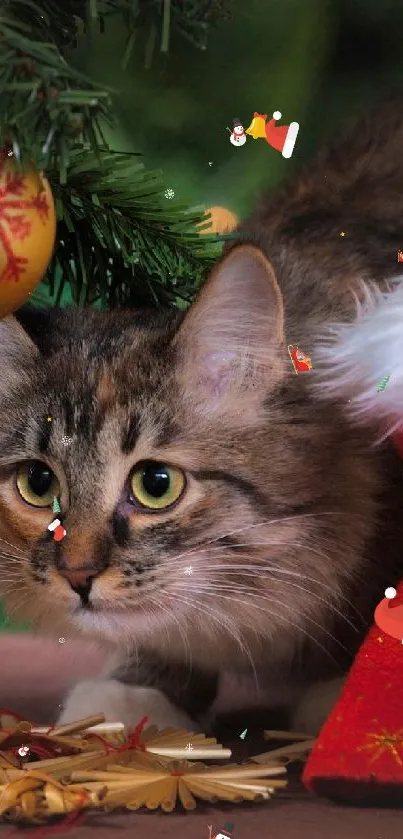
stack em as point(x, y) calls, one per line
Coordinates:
point(95, 765)
point(35, 795)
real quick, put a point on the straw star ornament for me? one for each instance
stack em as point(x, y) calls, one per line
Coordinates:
point(91, 764)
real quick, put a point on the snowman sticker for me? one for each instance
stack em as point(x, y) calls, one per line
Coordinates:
point(237, 135)
point(227, 832)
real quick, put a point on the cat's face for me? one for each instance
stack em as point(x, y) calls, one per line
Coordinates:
point(207, 502)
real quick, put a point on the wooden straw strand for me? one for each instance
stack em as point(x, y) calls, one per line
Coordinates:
point(255, 788)
point(214, 791)
point(287, 735)
point(104, 727)
point(41, 777)
point(98, 786)
point(241, 772)
point(291, 751)
point(11, 792)
point(185, 796)
point(78, 744)
point(169, 802)
point(119, 798)
point(150, 731)
point(151, 796)
point(187, 737)
point(28, 804)
point(79, 725)
point(265, 786)
point(186, 754)
point(136, 776)
point(117, 769)
point(67, 762)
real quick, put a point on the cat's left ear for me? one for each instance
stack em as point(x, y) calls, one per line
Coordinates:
point(231, 342)
point(17, 354)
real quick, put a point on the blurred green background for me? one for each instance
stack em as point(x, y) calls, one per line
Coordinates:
point(317, 61)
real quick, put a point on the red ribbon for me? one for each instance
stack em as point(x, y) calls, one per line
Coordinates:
point(133, 741)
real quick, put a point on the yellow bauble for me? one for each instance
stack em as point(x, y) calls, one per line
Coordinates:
point(27, 232)
point(221, 221)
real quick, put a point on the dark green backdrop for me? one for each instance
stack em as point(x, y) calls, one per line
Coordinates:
point(314, 60)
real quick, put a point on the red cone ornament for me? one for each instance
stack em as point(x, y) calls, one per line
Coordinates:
point(358, 756)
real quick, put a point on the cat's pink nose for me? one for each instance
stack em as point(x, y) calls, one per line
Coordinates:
point(79, 579)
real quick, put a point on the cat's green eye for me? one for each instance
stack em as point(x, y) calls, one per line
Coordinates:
point(155, 486)
point(37, 484)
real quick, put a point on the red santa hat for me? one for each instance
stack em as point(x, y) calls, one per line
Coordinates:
point(358, 756)
point(281, 137)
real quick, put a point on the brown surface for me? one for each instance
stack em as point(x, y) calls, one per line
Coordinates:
point(35, 674)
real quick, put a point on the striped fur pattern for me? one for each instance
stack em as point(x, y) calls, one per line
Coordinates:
point(290, 521)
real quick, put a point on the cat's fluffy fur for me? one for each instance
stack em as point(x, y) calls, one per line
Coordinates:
point(291, 520)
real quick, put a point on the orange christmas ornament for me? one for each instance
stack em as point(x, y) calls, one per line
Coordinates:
point(221, 221)
point(27, 232)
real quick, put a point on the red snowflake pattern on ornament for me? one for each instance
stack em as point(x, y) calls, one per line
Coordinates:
point(13, 226)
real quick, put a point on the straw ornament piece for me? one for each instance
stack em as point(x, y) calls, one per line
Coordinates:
point(90, 764)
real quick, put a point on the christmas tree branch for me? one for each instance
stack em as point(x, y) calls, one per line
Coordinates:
point(48, 107)
point(118, 241)
point(121, 241)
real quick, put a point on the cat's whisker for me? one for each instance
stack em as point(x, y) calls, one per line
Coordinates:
point(291, 583)
point(18, 560)
point(228, 627)
point(283, 616)
point(15, 547)
point(214, 590)
point(270, 613)
point(265, 523)
point(12, 572)
point(17, 606)
point(9, 584)
point(279, 568)
point(171, 614)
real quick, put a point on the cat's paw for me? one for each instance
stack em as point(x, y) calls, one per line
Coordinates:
point(315, 706)
point(123, 703)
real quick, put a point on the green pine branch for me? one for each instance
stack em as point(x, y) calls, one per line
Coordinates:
point(47, 106)
point(121, 241)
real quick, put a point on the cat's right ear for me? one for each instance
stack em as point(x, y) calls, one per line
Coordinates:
point(17, 353)
point(231, 347)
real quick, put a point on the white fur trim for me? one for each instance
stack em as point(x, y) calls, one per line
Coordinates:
point(277, 115)
point(290, 139)
point(356, 357)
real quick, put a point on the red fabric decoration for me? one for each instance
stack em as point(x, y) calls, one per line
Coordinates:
point(133, 740)
point(359, 752)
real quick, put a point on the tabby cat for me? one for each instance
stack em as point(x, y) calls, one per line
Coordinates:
point(222, 519)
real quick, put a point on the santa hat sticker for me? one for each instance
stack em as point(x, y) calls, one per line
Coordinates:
point(281, 137)
point(389, 614)
point(56, 527)
point(227, 832)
